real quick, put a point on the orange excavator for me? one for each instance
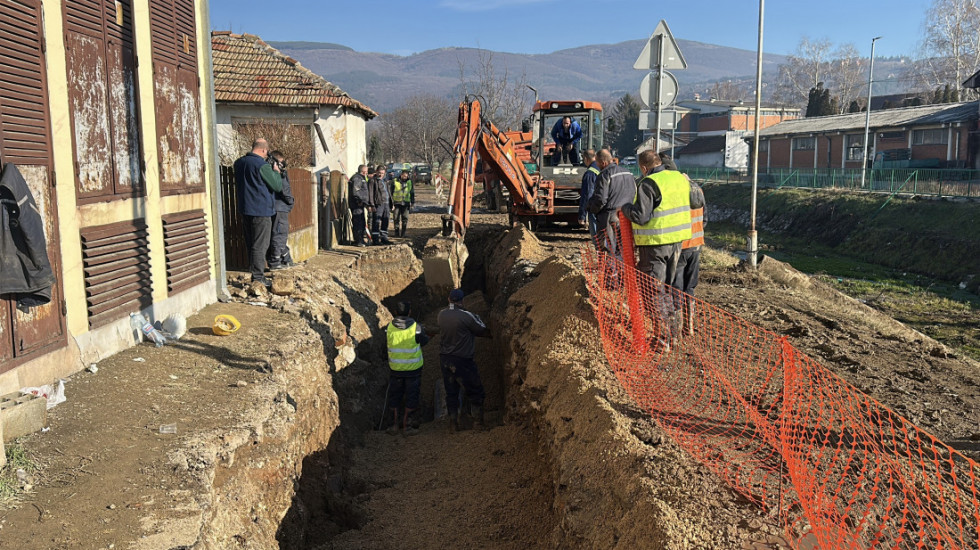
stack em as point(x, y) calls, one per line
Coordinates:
point(545, 193)
point(548, 193)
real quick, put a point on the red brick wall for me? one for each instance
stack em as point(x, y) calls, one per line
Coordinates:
point(779, 153)
point(803, 159)
point(713, 124)
point(742, 122)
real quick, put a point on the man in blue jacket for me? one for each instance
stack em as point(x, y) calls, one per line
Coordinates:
point(256, 181)
point(566, 133)
point(588, 188)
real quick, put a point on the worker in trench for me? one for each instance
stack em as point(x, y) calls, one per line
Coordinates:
point(405, 340)
point(661, 220)
point(458, 329)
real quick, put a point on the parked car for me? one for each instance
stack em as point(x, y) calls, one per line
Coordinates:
point(628, 161)
point(422, 174)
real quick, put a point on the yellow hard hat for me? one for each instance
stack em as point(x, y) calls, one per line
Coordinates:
point(225, 325)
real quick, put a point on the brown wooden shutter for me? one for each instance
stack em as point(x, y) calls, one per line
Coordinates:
point(116, 264)
point(185, 237)
point(176, 91)
point(103, 97)
point(25, 140)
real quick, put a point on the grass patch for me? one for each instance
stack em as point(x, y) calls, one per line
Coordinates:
point(939, 309)
point(17, 459)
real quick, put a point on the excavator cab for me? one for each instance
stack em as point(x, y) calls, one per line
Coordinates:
point(567, 177)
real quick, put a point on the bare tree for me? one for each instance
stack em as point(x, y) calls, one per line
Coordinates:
point(504, 97)
point(802, 71)
point(423, 120)
point(951, 47)
point(846, 73)
point(295, 141)
point(728, 90)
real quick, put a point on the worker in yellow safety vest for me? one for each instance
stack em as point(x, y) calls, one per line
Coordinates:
point(661, 217)
point(689, 263)
point(405, 341)
point(403, 197)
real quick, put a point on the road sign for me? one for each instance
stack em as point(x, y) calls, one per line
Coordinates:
point(666, 94)
point(650, 56)
point(648, 120)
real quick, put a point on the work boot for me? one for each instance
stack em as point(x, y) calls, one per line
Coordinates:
point(453, 422)
point(476, 411)
point(393, 429)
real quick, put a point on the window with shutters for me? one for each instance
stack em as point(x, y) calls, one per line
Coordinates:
point(102, 92)
point(25, 140)
point(176, 84)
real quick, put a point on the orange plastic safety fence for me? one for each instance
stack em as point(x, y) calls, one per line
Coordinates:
point(839, 468)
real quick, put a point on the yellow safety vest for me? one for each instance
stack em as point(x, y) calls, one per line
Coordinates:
point(671, 221)
point(404, 353)
point(402, 193)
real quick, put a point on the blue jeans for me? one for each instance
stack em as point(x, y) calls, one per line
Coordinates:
point(456, 370)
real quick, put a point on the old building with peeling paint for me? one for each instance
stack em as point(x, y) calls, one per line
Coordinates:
point(106, 108)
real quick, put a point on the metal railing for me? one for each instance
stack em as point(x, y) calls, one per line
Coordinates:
point(955, 183)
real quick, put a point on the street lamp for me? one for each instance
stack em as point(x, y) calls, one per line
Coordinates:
point(753, 239)
point(867, 114)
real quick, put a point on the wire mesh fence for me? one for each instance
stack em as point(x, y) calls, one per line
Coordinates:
point(838, 468)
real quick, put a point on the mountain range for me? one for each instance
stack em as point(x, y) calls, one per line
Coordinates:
point(598, 72)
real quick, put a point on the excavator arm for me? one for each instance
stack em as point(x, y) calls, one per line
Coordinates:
point(479, 139)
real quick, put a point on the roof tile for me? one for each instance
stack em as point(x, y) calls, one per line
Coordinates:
point(249, 70)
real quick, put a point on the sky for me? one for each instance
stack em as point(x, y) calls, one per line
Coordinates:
point(404, 27)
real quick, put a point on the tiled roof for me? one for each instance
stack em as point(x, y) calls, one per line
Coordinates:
point(888, 118)
point(248, 70)
point(706, 144)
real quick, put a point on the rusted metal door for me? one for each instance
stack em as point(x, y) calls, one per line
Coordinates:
point(176, 92)
point(103, 98)
point(25, 140)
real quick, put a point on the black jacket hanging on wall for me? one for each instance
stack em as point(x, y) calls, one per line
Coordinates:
point(25, 271)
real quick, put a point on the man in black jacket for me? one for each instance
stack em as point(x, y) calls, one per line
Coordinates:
point(380, 206)
point(278, 256)
point(256, 181)
point(457, 329)
point(614, 187)
point(357, 192)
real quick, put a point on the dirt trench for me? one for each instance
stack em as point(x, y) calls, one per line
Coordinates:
point(567, 460)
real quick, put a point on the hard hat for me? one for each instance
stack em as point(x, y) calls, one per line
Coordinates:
point(225, 325)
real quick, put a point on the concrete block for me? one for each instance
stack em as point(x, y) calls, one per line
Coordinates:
point(22, 414)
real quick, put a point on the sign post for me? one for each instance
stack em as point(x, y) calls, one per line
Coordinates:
point(659, 54)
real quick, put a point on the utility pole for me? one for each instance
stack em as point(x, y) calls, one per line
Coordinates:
point(753, 239)
point(867, 115)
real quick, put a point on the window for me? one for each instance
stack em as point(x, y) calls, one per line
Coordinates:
point(102, 92)
point(177, 103)
point(804, 144)
point(763, 145)
point(855, 146)
point(891, 135)
point(936, 136)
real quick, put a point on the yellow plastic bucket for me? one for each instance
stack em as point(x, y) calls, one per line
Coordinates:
point(225, 325)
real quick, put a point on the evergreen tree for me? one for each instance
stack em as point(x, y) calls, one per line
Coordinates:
point(854, 107)
point(626, 115)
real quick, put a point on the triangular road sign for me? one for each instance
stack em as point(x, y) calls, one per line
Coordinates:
point(650, 56)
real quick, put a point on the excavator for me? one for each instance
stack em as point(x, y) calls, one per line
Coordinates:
point(545, 194)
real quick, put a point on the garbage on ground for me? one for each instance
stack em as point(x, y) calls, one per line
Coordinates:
point(93, 368)
point(146, 329)
point(173, 327)
point(168, 428)
point(139, 359)
point(55, 394)
point(225, 325)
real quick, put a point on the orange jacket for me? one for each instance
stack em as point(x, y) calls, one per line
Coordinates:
point(697, 229)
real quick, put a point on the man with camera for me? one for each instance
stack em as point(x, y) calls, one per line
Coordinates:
point(279, 256)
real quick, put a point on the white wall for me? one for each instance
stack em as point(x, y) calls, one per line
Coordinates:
point(346, 136)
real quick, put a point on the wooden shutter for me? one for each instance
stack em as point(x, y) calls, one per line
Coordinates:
point(25, 140)
point(185, 237)
point(103, 97)
point(116, 264)
point(173, 38)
